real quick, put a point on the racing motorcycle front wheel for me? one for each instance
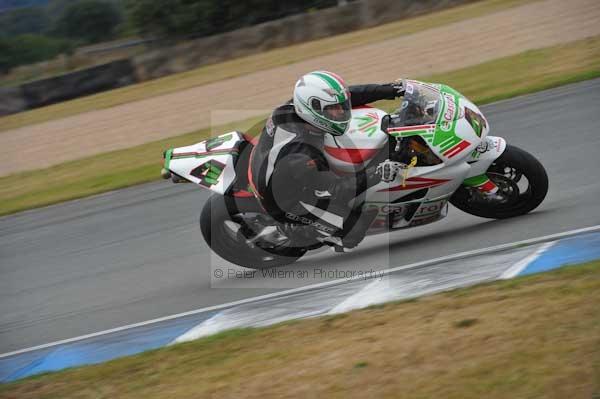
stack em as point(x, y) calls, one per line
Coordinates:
point(237, 230)
point(522, 185)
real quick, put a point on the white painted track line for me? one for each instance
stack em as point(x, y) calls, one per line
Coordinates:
point(522, 264)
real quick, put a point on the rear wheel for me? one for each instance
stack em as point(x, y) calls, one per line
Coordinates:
point(237, 231)
point(522, 185)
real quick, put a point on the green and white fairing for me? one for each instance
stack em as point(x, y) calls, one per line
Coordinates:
point(209, 163)
point(455, 131)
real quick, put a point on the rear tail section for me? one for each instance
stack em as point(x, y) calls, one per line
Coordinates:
point(219, 163)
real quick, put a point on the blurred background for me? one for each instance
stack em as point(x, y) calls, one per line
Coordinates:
point(86, 78)
point(93, 91)
point(57, 36)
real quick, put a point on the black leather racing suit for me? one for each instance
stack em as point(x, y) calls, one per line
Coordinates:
point(292, 180)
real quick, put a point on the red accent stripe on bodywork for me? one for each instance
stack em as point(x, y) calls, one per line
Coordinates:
point(337, 77)
point(224, 151)
point(251, 178)
point(251, 139)
point(421, 182)
point(457, 149)
point(243, 194)
point(405, 128)
point(351, 155)
point(487, 187)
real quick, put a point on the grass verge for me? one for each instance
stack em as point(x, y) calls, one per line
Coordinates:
point(503, 78)
point(253, 63)
point(532, 337)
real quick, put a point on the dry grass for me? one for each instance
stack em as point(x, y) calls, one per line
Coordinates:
point(511, 76)
point(534, 337)
point(253, 63)
point(503, 78)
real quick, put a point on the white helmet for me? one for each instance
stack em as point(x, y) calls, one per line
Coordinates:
point(322, 99)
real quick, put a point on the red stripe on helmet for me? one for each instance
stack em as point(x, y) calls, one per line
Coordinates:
point(337, 77)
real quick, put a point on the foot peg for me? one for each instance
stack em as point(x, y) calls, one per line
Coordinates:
point(269, 233)
point(335, 243)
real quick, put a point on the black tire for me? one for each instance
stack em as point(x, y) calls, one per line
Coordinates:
point(521, 163)
point(218, 210)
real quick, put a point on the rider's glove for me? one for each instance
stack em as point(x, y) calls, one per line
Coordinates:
point(399, 87)
point(388, 170)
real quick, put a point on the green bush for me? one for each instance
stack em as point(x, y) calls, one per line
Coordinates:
point(27, 49)
point(88, 21)
point(184, 18)
point(23, 21)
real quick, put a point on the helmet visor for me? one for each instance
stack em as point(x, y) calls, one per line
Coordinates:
point(338, 112)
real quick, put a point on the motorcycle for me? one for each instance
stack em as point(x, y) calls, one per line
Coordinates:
point(455, 150)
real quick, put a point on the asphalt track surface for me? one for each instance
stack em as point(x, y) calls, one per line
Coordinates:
point(137, 254)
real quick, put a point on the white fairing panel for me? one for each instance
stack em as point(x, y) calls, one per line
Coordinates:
point(353, 150)
point(401, 201)
point(209, 163)
point(485, 154)
point(454, 136)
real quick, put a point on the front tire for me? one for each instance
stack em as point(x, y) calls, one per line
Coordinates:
point(218, 216)
point(507, 173)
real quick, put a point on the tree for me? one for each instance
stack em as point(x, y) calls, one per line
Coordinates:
point(23, 21)
point(90, 21)
point(27, 49)
point(172, 18)
point(184, 18)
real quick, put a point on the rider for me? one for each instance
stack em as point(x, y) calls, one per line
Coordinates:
point(289, 173)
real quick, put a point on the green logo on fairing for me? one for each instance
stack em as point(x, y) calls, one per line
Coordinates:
point(445, 138)
point(441, 135)
point(217, 141)
point(209, 172)
point(369, 123)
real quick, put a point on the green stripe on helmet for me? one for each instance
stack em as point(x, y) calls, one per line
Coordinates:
point(334, 84)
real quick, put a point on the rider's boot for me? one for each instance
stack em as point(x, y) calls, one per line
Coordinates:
point(355, 228)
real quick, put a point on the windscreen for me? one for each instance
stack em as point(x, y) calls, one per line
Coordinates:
point(420, 106)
